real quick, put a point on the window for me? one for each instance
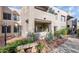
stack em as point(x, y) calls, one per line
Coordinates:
point(62, 18)
point(6, 16)
point(3, 29)
point(15, 29)
point(8, 29)
point(15, 17)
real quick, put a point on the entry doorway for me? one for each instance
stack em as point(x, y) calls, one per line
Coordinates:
point(42, 27)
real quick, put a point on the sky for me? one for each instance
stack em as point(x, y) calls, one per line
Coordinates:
point(73, 10)
point(18, 7)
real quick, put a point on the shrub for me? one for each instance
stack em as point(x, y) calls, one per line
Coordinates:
point(49, 36)
point(40, 47)
point(57, 34)
point(68, 31)
point(61, 33)
point(64, 31)
point(31, 36)
point(11, 48)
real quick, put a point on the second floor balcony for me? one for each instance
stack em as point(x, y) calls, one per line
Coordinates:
point(42, 15)
point(43, 8)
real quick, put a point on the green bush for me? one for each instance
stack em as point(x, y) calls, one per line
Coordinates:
point(31, 36)
point(11, 48)
point(57, 34)
point(64, 31)
point(40, 47)
point(61, 32)
point(49, 36)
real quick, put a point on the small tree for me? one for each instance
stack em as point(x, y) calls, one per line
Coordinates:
point(50, 36)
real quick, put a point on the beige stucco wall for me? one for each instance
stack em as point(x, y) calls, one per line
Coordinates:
point(30, 14)
point(57, 22)
point(24, 16)
point(38, 14)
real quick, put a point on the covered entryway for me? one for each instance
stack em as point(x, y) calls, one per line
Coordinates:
point(42, 26)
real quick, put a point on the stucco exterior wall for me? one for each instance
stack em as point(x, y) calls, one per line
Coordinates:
point(30, 14)
point(60, 24)
point(24, 17)
point(38, 14)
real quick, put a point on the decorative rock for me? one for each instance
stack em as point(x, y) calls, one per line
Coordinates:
point(46, 47)
point(27, 48)
point(34, 50)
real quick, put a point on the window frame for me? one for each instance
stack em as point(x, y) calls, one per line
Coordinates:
point(15, 29)
point(15, 17)
point(62, 18)
point(6, 16)
point(8, 29)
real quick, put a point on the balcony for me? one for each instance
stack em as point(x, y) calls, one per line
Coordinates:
point(43, 8)
point(42, 15)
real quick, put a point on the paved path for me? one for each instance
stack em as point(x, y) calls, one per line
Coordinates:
point(70, 46)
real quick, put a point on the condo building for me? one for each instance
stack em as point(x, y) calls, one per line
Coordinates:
point(9, 17)
point(35, 19)
point(42, 19)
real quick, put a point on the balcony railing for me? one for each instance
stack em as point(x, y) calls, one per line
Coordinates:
point(43, 8)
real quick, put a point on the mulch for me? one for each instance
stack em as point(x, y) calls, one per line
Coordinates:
point(58, 42)
point(50, 45)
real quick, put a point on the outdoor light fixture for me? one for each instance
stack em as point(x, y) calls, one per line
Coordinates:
point(5, 32)
point(44, 18)
point(16, 25)
point(27, 21)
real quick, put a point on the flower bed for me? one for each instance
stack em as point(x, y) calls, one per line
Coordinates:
point(11, 47)
point(58, 42)
point(50, 45)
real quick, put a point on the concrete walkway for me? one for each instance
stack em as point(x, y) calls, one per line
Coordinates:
point(70, 46)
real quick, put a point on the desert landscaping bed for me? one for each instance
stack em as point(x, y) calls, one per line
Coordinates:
point(52, 44)
point(38, 46)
